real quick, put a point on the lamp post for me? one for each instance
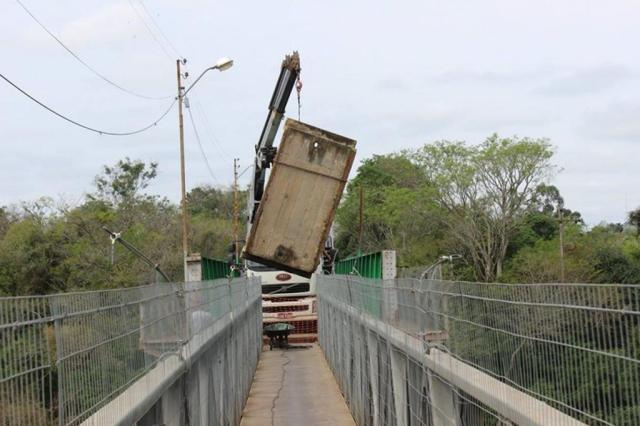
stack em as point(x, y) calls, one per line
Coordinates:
point(427, 272)
point(222, 64)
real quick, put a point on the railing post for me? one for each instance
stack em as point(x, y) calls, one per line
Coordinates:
point(372, 346)
point(399, 380)
point(444, 401)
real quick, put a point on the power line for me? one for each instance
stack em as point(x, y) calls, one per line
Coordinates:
point(245, 169)
point(197, 135)
point(155, 23)
point(86, 65)
point(101, 132)
point(153, 35)
point(212, 137)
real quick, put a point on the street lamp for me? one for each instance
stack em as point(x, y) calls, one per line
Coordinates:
point(222, 64)
point(427, 272)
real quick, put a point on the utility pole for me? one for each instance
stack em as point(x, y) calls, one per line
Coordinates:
point(361, 220)
point(561, 243)
point(236, 210)
point(185, 248)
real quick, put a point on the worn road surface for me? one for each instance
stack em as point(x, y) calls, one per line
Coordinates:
point(295, 387)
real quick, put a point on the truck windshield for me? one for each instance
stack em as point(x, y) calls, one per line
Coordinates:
point(255, 266)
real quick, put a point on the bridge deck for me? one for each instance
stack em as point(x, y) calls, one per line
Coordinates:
point(295, 387)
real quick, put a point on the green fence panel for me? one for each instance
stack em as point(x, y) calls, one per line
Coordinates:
point(213, 269)
point(366, 265)
point(378, 266)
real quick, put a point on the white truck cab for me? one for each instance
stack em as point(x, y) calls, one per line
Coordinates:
point(288, 298)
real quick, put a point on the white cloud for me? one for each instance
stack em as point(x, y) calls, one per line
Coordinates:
point(588, 81)
point(118, 21)
point(616, 121)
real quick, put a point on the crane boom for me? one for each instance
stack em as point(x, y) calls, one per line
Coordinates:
point(265, 151)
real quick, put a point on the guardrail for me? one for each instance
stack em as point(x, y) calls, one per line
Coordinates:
point(75, 357)
point(213, 269)
point(437, 352)
point(381, 264)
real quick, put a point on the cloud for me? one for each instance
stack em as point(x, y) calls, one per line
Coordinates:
point(492, 78)
point(112, 23)
point(587, 81)
point(392, 84)
point(617, 121)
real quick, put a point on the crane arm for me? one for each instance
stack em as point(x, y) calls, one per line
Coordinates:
point(265, 151)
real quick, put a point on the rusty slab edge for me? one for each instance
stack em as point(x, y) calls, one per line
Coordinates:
point(277, 265)
point(303, 127)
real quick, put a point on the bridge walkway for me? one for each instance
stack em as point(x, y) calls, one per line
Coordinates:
point(295, 387)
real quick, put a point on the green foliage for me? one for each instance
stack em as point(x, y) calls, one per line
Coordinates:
point(123, 182)
point(399, 211)
point(450, 197)
point(212, 202)
point(633, 218)
point(29, 256)
point(485, 191)
point(46, 248)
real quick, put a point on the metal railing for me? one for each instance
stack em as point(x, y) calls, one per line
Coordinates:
point(66, 356)
point(213, 269)
point(381, 264)
point(506, 352)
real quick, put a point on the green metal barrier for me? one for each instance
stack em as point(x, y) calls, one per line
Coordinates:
point(379, 265)
point(366, 265)
point(213, 269)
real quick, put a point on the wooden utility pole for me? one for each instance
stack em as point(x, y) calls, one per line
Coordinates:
point(236, 210)
point(361, 220)
point(183, 191)
point(561, 244)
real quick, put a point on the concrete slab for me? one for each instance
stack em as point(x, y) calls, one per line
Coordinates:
point(294, 387)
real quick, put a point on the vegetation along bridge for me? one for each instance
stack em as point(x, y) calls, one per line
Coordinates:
point(396, 352)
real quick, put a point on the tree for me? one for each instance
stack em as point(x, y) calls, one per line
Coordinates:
point(6, 218)
point(30, 253)
point(122, 182)
point(212, 202)
point(485, 191)
point(399, 211)
point(633, 218)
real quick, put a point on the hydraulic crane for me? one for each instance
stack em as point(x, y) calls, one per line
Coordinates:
point(265, 151)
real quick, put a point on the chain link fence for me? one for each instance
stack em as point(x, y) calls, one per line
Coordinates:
point(571, 351)
point(66, 356)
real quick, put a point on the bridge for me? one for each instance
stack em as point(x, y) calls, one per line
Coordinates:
point(391, 352)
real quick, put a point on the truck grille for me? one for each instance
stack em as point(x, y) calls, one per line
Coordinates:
point(285, 288)
point(292, 308)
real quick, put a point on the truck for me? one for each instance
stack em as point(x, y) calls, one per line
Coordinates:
point(289, 298)
point(289, 293)
point(286, 297)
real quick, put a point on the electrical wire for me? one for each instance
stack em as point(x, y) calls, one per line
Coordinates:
point(85, 64)
point(197, 135)
point(150, 31)
point(101, 132)
point(212, 137)
point(245, 170)
point(155, 23)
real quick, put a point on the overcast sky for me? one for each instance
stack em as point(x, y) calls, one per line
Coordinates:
point(392, 75)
